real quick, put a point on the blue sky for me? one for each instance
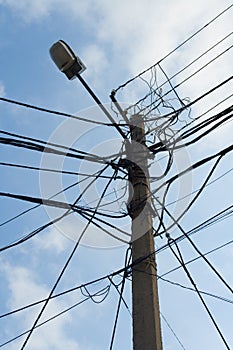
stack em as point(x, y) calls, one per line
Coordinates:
point(116, 41)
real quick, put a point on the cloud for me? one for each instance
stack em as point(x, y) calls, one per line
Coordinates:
point(52, 241)
point(24, 288)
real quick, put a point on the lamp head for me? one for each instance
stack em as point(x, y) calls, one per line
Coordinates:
point(66, 60)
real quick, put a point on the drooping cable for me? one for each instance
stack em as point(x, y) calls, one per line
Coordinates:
point(64, 268)
point(176, 48)
point(179, 257)
point(127, 259)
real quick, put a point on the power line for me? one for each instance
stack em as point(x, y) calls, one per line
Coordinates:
point(175, 49)
point(221, 215)
point(169, 326)
point(64, 268)
point(181, 261)
point(65, 172)
point(45, 149)
point(127, 259)
point(173, 88)
point(226, 300)
point(103, 292)
point(50, 111)
point(198, 250)
point(197, 258)
point(178, 111)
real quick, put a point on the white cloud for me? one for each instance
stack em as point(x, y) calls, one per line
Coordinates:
point(24, 288)
point(53, 241)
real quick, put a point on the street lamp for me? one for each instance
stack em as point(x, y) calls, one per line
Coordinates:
point(66, 60)
point(71, 65)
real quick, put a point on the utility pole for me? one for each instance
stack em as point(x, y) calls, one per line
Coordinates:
point(146, 316)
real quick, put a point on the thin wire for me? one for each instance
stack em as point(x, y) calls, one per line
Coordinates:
point(64, 268)
point(180, 45)
point(193, 290)
point(101, 292)
point(180, 259)
point(198, 228)
point(165, 320)
point(197, 258)
point(192, 62)
point(119, 301)
point(178, 111)
point(65, 172)
point(194, 198)
point(197, 249)
point(182, 82)
point(50, 111)
point(45, 149)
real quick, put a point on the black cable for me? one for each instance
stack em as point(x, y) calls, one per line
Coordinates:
point(59, 204)
point(67, 291)
point(180, 45)
point(195, 191)
point(194, 120)
point(197, 249)
point(64, 267)
point(33, 233)
point(226, 300)
point(41, 109)
point(120, 299)
point(197, 258)
point(101, 292)
point(178, 111)
point(45, 149)
point(180, 259)
point(207, 111)
point(38, 205)
point(118, 272)
point(169, 326)
point(46, 143)
point(198, 228)
point(65, 172)
point(192, 62)
point(196, 165)
point(162, 146)
point(179, 84)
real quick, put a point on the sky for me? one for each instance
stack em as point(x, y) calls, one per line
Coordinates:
point(116, 41)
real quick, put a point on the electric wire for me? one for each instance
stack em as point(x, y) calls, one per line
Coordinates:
point(50, 111)
point(197, 258)
point(45, 149)
point(197, 99)
point(65, 172)
point(181, 261)
point(177, 47)
point(51, 197)
point(64, 268)
point(184, 81)
point(173, 88)
point(169, 326)
point(127, 259)
point(59, 204)
point(214, 219)
point(197, 249)
point(103, 292)
point(41, 228)
point(217, 297)
point(195, 60)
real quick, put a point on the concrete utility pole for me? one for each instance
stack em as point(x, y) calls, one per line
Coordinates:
point(146, 316)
